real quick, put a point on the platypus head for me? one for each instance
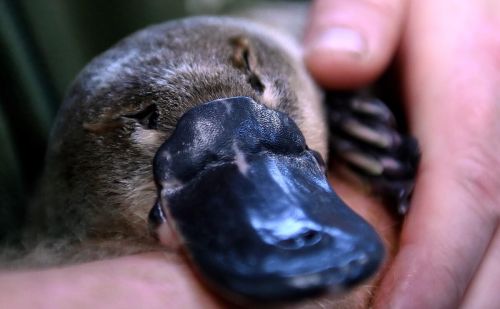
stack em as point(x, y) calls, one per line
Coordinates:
point(250, 203)
point(235, 180)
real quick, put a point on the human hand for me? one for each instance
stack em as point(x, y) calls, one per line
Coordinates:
point(147, 280)
point(449, 52)
point(158, 279)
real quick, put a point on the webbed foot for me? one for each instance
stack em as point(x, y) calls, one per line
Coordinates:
point(364, 137)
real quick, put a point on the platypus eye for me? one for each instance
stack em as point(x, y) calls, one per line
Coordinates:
point(147, 118)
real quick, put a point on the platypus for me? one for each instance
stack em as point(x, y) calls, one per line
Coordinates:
point(208, 135)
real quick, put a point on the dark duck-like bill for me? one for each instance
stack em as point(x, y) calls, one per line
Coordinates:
point(251, 205)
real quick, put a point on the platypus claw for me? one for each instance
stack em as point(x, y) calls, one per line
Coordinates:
point(365, 138)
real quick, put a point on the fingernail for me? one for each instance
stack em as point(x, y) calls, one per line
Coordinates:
point(340, 40)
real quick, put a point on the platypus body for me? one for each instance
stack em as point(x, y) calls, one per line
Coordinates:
point(208, 134)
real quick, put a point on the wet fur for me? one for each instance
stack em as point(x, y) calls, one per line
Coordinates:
point(98, 188)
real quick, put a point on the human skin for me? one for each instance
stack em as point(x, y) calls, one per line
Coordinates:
point(449, 55)
point(159, 279)
point(138, 281)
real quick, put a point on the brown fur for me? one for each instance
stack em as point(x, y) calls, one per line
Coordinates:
point(98, 187)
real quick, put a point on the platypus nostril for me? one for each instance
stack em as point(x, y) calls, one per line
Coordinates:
point(303, 239)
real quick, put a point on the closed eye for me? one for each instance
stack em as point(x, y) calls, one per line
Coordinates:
point(147, 118)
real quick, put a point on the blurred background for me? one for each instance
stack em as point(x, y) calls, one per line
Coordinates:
point(43, 45)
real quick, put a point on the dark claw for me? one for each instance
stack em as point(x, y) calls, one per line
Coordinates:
point(364, 136)
point(371, 132)
point(373, 108)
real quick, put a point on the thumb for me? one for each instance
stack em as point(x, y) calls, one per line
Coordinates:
point(349, 43)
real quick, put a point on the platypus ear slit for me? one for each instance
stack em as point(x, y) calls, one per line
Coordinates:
point(241, 57)
point(244, 58)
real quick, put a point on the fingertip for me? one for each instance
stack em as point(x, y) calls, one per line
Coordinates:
point(338, 59)
point(349, 43)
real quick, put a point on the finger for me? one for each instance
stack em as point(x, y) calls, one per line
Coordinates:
point(483, 291)
point(437, 259)
point(146, 280)
point(452, 88)
point(349, 43)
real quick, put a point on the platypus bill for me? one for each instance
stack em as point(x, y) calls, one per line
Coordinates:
point(253, 207)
